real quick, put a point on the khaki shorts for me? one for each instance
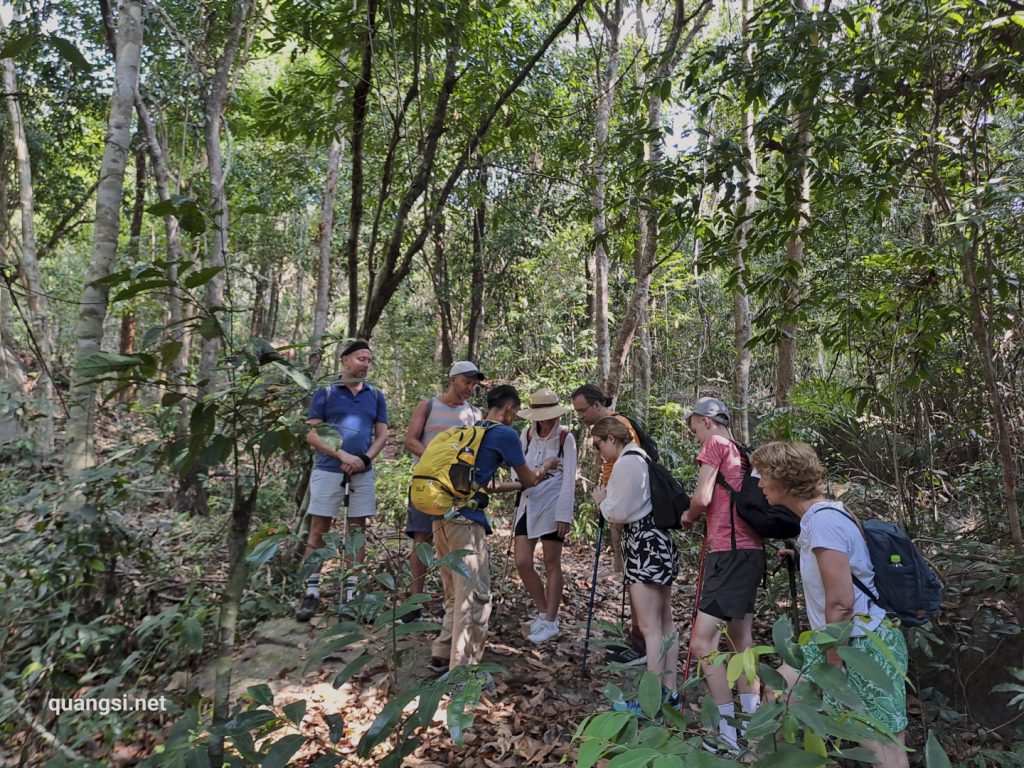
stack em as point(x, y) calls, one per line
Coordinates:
point(327, 494)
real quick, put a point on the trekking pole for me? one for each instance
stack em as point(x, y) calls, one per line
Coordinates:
point(696, 602)
point(593, 593)
point(794, 614)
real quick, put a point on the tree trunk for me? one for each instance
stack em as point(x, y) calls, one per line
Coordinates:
point(324, 232)
point(214, 104)
point(654, 155)
point(28, 264)
point(360, 98)
point(441, 282)
point(785, 375)
point(476, 295)
point(127, 343)
point(611, 21)
point(80, 453)
point(742, 325)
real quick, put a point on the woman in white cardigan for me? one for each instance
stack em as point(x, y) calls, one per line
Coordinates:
point(544, 512)
point(649, 554)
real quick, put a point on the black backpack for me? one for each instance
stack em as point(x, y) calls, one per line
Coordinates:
point(769, 521)
point(908, 587)
point(668, 499)
point(644, 440)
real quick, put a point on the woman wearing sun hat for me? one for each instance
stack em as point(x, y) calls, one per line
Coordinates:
point(545, 511)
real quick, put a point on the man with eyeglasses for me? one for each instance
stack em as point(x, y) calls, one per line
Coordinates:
point(591, 406)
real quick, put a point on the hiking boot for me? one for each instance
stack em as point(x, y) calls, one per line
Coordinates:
point(410, 617)
point(548, 630)
point(437, 664)
point(626, 655)
point(306, 609)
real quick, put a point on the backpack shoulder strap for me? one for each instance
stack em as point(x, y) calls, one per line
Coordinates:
point(563, 432)
point(857, 582)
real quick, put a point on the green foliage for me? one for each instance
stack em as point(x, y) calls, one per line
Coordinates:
point(801, 726)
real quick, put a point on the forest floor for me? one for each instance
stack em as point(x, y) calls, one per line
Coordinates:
point(541, 693)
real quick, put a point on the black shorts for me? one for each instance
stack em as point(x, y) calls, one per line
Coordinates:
point(730, 583)
point(521, 531)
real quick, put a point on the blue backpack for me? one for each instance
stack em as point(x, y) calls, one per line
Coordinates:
point(908, 586)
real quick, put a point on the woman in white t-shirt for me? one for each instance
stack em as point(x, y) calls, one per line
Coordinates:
point(832, 551)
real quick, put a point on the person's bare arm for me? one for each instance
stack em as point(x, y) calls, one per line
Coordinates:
point(414, 433)
point(838, 583)
point(528, 478)
point(701, 499)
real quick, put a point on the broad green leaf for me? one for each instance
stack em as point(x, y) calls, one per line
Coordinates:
point(261, 694)
point(934, 755)
point(100, 363)
point(864, 665)
point(335, 727)
point(14, 48)
point(606, 726)
point(589, 753)
point(201, 276)
point(788, 756)
point(193, 633)
point(295, 711)
point(265, 550)
point(283, 750)
point(142, 287)
point(814, 744)
point(633, 758)
point(650, 693)
point(70, 53)
point(351, 668)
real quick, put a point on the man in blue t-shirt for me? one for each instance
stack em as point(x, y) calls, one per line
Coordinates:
point(348, 427)
point(467, 600)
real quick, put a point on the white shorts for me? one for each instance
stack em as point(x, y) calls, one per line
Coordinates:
point(327, 495)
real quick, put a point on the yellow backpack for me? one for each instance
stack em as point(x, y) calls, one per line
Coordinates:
point(446, 472)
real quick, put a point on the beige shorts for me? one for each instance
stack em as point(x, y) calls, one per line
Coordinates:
point(327, 494)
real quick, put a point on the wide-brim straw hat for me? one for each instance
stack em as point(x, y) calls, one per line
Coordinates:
point(543, 406)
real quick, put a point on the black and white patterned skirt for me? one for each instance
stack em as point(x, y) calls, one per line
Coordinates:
point(649, 554)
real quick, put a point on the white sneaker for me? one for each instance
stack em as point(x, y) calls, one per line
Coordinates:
point(548, 630)
point(538, 621)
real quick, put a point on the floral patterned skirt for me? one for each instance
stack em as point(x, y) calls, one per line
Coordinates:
point(649, 554)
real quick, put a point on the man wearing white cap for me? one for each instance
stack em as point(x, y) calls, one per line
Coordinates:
point(734, 565)
point(431, 417)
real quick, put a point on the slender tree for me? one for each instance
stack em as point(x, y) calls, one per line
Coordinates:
point(28, 263)
point(80, 450)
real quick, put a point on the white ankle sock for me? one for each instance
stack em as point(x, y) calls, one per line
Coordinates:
point(350, 589)
point(749, 702)
point(725, 728)
point(313, 586)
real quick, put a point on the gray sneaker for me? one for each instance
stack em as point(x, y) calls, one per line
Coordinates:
point(307, 608)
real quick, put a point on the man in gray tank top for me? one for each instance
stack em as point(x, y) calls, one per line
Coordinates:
point(431, 417)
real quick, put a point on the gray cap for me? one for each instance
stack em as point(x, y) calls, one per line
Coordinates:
point(712, 408)
point(466, 368)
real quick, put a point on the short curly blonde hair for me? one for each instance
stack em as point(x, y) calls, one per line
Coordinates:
point(794, 466)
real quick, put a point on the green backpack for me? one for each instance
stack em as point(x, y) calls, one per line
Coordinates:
point(445, 475)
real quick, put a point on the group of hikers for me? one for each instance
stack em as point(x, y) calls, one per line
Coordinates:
point(831, 548)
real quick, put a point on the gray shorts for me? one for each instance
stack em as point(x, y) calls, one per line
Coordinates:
point(327, 496)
